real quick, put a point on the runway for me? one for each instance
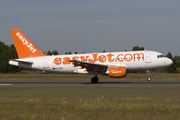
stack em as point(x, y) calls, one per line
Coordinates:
point(90, 85)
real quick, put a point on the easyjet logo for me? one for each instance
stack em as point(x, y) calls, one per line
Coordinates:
point(101, 58)
point(116, 71)
point(26, 43)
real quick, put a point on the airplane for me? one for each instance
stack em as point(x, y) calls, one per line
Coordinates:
point(112, 64)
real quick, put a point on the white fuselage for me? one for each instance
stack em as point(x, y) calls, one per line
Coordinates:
point(132, 60)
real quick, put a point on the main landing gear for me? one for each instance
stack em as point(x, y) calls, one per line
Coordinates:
point(148, 73)
point(95, 79)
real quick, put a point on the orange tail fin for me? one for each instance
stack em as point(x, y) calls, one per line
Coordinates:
point(25, 48)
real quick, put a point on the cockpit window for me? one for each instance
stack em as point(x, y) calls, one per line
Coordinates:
point(160, 56)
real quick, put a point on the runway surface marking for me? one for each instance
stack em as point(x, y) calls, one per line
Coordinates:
point(6, 84)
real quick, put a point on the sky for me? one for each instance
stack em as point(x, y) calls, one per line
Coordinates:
point(94, 25)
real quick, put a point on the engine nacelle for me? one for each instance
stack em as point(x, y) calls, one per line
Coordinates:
point(117, 72)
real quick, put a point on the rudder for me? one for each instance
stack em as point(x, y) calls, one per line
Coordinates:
point(24, 47)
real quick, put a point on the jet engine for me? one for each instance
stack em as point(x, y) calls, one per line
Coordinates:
point(116, 72)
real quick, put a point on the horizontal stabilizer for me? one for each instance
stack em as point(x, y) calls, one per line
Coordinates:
point(22, 61)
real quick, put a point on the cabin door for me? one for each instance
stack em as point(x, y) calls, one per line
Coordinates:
point(148, 57)
point(45, 63)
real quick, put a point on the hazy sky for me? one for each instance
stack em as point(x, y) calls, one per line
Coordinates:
point(94, 25)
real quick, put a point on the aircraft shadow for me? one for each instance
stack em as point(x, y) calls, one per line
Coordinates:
point(108, 83)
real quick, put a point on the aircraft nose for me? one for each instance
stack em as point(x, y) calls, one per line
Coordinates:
point(169, 62)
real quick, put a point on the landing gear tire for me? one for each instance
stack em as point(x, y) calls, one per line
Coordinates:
point(149, 78)
point(148, 73)
point(94, 79)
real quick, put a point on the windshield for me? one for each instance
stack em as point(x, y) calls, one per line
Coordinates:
point(161, 56)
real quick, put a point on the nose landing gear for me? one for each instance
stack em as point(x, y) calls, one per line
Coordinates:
point(148, 73)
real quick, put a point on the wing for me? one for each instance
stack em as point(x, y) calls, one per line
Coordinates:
point(90, 67)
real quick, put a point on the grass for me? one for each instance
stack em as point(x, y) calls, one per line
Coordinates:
point(90, 109)
point(89, 103)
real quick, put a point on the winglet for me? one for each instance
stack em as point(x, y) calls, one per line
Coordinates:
point(24, 47)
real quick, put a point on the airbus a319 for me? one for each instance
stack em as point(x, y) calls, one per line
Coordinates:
point(112, 64)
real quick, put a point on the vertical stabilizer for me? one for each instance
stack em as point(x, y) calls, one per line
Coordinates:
point(24, 47)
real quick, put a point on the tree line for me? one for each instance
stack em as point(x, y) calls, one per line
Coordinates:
point(9, 52)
